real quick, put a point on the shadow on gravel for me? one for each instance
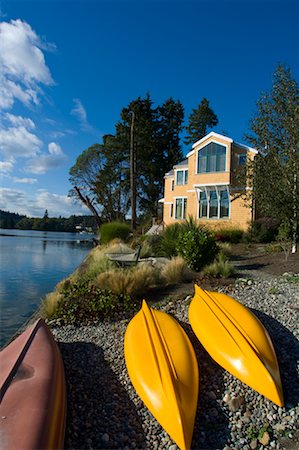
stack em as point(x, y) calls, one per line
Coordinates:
point(287, 351)
point(256, 266)
point(100, 414)
point(211, 425)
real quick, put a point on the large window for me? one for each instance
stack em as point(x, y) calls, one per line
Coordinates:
point(180, 208)
point(211, 158)
point(214, 203)
point(182, 176)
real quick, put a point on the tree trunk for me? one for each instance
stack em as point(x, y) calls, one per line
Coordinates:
point(89, 205)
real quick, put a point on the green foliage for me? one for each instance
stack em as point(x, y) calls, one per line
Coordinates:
point(275, 133)
point(113, 230)
point(272, 248)
point(197, 246)
point(284, 238)
point(273, 290)
point(220, 268)
point(264, 230)
point(291, 278)
point(233, 235)
point(9, 220)
point(101, 171)
point(200, 120)
point(154, 241)
point(169, 239)
point(82, 303)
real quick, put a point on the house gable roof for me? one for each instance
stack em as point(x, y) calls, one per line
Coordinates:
point(223, 138)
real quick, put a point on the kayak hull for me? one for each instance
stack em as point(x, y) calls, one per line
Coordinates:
point(33, 392)
point(237, 341)
point(162, 366)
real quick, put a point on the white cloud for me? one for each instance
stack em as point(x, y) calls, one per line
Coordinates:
point(25, 180)
point(52, 160)
point(19, 121)
point(80, 113)
point(22, 64)
point(16, 140)
point(6, 166)
point(19, 201)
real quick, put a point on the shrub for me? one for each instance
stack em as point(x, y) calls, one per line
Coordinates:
point(233, 235)
point(154, 241)
point(50, 304)
point(169, 239)
point(220, 268)
point(284, 238)
point(174, 271)
point(197, 246)
point(83, 303)
point(264, 230)
point(112, 230)
point(135, 281)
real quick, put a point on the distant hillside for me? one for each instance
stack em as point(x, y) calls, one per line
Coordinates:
point(13, 220)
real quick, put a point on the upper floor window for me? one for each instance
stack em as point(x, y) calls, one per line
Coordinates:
point(211, 158)
point(172, 185)
point(182, 176)
point(242, 159)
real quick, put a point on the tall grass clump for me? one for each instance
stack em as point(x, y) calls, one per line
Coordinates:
point(174, 271)
point(113, 230)
point(220, 268)
point(196, 245)
point(50, 304)
point(133, 282)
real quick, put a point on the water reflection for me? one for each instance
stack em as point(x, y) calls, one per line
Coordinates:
point(32, 263)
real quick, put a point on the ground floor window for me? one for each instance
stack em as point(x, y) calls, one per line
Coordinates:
point(214, 202)
point(171, 210)
point(180, 208)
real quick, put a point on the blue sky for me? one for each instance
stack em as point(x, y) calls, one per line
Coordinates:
point(67, 68)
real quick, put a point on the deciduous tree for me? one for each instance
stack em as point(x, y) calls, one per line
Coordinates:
point(275, 133)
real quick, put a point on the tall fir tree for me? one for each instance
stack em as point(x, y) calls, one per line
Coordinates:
point(200, 121)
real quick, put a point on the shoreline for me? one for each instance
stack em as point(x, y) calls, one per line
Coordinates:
point(105, 412)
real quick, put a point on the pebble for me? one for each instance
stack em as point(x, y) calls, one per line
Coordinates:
point(104, 410)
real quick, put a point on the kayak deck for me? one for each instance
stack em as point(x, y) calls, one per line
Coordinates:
point(163, 369)
point(237, 341)
point(33, 392)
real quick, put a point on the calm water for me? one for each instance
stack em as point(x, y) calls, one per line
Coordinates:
point(32, 263)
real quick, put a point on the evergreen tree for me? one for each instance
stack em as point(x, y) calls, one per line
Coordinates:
point(200, 120)
point(275, 171)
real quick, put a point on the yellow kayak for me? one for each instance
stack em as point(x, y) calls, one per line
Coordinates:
point(162, 366)
point(236, 340)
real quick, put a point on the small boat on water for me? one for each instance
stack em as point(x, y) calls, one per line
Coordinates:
point(237, 341)
point(33, 392)
point(162, 366)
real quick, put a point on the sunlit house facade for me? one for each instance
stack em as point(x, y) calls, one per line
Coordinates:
point(206, 186)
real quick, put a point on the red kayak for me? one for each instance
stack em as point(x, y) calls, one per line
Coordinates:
point(33, 392)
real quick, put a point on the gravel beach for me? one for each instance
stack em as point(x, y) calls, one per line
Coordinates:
point(104, 411)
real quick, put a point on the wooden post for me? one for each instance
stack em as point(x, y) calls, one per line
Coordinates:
point(133, 174)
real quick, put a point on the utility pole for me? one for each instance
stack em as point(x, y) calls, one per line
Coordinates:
point(133, 174)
